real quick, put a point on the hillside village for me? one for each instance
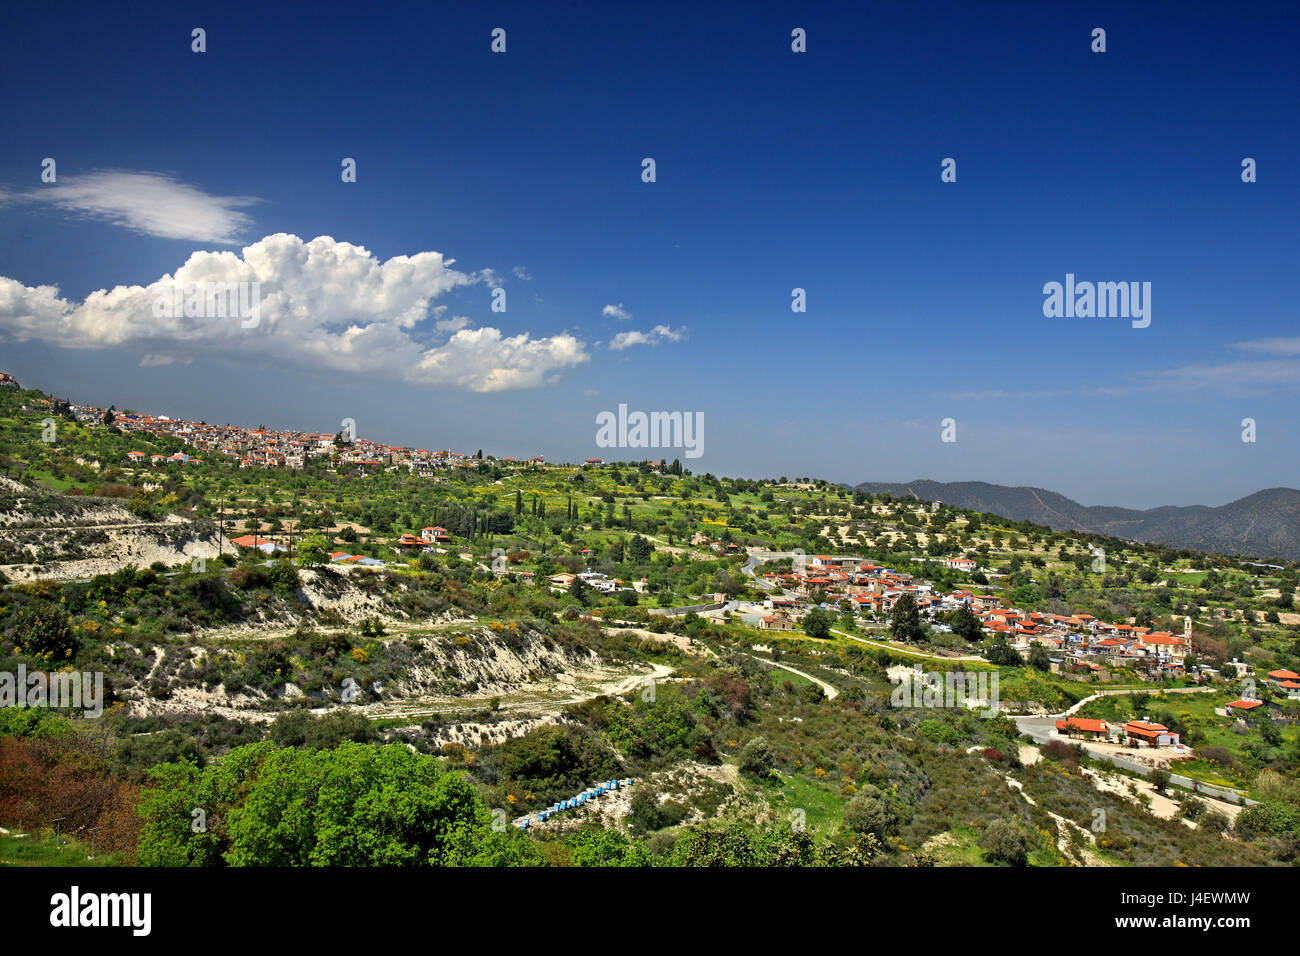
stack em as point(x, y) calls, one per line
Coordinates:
point(1078, 642)
point(274, 448)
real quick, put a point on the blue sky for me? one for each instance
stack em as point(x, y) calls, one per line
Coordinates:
point(775, 170)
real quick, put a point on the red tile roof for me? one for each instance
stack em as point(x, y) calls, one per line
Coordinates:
point(1142, 728)
point(1082, 723)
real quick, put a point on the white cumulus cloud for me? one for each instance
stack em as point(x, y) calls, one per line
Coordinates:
point(616, 312)
point(323, 305)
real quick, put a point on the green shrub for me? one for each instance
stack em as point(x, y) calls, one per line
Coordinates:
point(867, 813)
point(301, 729)
point(32, 722)
point(757, 759)
point(1003, 842)
point(44, 631)
point(284, 577)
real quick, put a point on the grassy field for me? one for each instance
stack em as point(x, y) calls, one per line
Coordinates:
point(40, 849)
point(820, 806)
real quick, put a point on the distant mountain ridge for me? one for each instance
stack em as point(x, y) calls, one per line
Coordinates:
point(1265, 524)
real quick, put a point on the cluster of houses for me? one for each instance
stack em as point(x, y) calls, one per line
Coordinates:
point(278, 448)
point(870, 588)
point(1077, 643)
point(1080, 643)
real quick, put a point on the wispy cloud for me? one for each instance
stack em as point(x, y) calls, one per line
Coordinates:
point(522, 274)
point(1238, 376)
point(1230, 377)
point(616, 312)
point(660, 333)
point(155, 204)
point(325, 306)
point(1001, 393)
point(1271, 346)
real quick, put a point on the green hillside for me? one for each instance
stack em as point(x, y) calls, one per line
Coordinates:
point(411, 709)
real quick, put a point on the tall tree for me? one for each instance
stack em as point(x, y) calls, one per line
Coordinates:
point(817, 623)
point(905, 619)
point(966, 624)
point(640, 549)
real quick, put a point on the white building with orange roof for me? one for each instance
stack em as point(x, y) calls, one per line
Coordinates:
point(1162, 644)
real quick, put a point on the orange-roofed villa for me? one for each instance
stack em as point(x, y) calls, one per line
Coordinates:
point(1083, 727)
point(1140, 732)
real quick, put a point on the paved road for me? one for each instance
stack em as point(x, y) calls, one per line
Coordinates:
point(754, 561)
